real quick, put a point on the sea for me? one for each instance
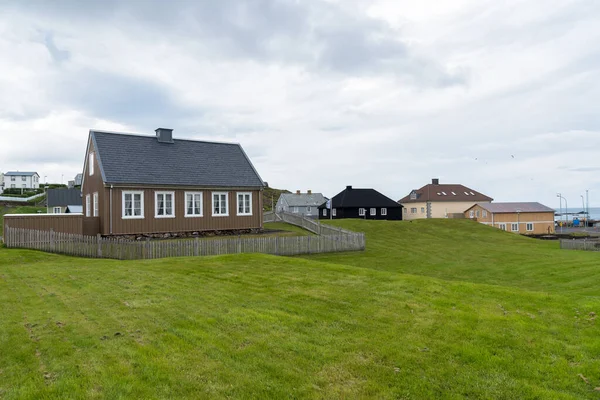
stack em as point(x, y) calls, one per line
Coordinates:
point(594, 213)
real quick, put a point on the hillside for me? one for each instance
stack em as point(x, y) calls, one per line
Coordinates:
point(270, 197)
point(435, 309)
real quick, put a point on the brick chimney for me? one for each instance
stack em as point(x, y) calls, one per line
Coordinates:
point(297, 192)
point(164, 135)
point(309, 191)
point(435, 181)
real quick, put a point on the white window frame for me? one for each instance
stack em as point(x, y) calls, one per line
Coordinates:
point(24, 179)
point(54, 210)
point(295, 211)
point(471, 214)
point(164, 193)
point(384, 212)
point(324, 212)
point(484, 214)
point(413, 210)
point(513, 226)
point(502, 227)
point(194, 194)
point(333, 212)
point(476, 213)
point(96, 205)
point(237, 196)
point(529, 224)
point(308, 210)
point(88, 205)
point(91, 164)
point(422, 210)
point(362, 212)
point(212, 196)
point(373, 211)
point(132, 193)
point(13, 178)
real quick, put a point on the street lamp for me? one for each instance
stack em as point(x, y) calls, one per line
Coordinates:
point(566, 208)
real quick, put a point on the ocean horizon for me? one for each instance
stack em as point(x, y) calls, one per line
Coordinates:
point(594, 212)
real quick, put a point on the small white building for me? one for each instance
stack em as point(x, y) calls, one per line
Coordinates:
point(306, 204)
point(21, 180)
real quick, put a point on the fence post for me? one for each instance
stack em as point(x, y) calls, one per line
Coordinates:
point(52, 244)
point(277, 245)
point(99, 242)
point(309, 245)
point(196, 246)
point(239, 244)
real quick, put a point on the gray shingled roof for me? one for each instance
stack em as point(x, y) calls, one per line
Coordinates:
point(136, 159)
point(64, 197)
point(499, 208)
point(20, 173)
point(304, 199)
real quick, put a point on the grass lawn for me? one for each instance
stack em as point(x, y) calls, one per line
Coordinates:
point(441, 309)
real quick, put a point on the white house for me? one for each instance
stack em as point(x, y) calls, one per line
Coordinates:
point(306, 204)
point(21, 180)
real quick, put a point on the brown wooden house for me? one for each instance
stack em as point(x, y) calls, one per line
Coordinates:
point(134, 184)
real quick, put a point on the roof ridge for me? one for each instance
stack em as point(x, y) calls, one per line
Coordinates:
point(152, 136)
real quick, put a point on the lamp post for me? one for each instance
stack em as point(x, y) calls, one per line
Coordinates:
point(583, 205)
point(566, 209)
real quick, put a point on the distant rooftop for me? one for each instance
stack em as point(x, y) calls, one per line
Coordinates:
point(20, 173)
point(509, 208)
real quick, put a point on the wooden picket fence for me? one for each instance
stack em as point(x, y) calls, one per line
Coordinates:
point(580, 244)
point(121, 249)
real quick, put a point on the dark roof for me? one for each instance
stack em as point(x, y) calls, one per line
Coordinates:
point(64, 197)
point(444, 192)
point(304, 199)
point(136, 159)
point(355, 198)
point(19, 173)
point(511, 208)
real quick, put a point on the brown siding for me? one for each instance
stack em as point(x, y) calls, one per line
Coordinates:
point(180, 223)
point(66, 223)
point(91, 185)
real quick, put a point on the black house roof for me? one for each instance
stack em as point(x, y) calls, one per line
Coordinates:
point(361, 198)
point(64, 197)
point(137, 159)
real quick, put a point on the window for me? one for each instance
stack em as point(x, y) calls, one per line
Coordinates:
point(373, 211)
point(164, 205)
point(476, 213)
point(133, 205)
point(13, 178)
point(295, 210)
point(333, 212)
point(406, 211)
point(244, 203)
point(471, 214)
point(422, 210)
point(13, 186)
point(453, 194)
point(324, 212)
point(515, 227)
point(88, 203)
point(308, 209)
point(384, 211)
point(91, 164)
point(220, 206)
point(193, 204)
point(484, 214)
point(413, 195)
point(502, 227)
point(24, 179)
point(96, 206)
point(57, 210)
point(530, 227)
point(361, 212)
point(24, 186)
point(413, 210)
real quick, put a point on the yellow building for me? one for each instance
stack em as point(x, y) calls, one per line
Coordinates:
point(437, 200)
point(524, 218)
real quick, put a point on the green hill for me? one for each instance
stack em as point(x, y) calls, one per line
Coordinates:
point(270, 197)
point(433, 309)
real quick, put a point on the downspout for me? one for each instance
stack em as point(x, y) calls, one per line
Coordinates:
point(111, 210)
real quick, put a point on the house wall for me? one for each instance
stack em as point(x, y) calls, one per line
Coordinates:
point(439, 209)
point(394, 213)
point(282, 205)
point(180, 223)
point(94, 184)
point(543, 222)
point(29, 182)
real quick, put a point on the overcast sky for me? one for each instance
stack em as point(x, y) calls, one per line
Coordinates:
point(501, 96)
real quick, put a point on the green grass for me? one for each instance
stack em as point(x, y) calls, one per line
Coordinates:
point(287, 229)
point(420, 315)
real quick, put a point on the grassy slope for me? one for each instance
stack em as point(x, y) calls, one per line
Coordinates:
point(467, 251)
point(270, 196)
point(267, 327)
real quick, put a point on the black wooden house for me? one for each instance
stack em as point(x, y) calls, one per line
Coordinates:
point(361, 203)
